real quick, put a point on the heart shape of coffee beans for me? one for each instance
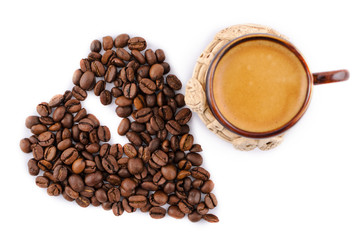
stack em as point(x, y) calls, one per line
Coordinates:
point(159, 169)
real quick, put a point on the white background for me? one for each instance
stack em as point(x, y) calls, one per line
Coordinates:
point(310, 187)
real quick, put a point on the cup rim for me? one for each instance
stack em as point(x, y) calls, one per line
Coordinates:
point(210, 94)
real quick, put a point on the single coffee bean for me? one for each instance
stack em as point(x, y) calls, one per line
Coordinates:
point(98, 68)
point(123, 127)
point(207, 187)
point(104, 134)
point(114, 195)
point(138, 56)
point(87, 80)
point(143, 115)
point(160, 157)
point(60, 173)
point(169, 172)
point(173, 127)
point(59, 113)
point(31, 121)
point(46, 138)
point(150, 57)
point(111, 74)
point(210, 200)
point(147, 86)
point(196, 148)
point(123, 54)
point(33, 168)
point(107, 56)
point(185, 206)
point(96, 46)
point(175, 212)
point(99, 87)
point(67, 121)
point(38, 152)
point(107, 42)
point(211, 218)
point(180, 100)
point(79, 93)
point(106, 97)
point(138, 127)
point(86, 125)
point(71, 193)
point(200, 173)
point(101, 195)
point(157, 212)
point(43, 109)
point(54, 189)
point(76, 182)
point(121, 40)
point(38, 129)
point(183, 116)
point(78, 166)
point(137, 43)
point(159, 198)
point(160, 55)
point(130, 150)
point(80, 115)
point(137, 201)
point(109, 164)
point(25, 145)
point(194, 216)
point(156, 71)
point(135, 166)
point(92, 179)
point(134, 138)
point(84, 65)
point(194, 158)
point(82, 201)
point(173, 82)
point(69, 155)
point(186, 142)
point(194, 196)
point(165, 112)
point(123, 112)
point(42, 182)
point(73, 106)
point(130, 90)
point(117, 209)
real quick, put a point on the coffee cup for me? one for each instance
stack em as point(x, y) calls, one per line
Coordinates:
point(259, 85)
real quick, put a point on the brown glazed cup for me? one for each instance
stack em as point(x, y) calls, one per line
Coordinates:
point(313, 79)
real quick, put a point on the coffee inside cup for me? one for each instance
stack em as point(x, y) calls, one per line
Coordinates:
point(259, 85)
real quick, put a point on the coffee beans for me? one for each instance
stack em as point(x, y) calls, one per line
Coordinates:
point(159, 171)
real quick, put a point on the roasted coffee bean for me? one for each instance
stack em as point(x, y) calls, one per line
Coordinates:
point(94, 56)
point(194, 216)
point(86, 125)
point(122, 101)
point(56, 100)
point(160, 157)
point(104, 134)
point(101, 195)
point(78, 166)
point(139, 102)
point(54, 189)
point(114, 195)
point(130, 90)
point(211, 218)
point(173, 127)
point(96, 46)
point(42, 182)
point(137, 43)
point(180, 100)
point(73, 106)
point(45, 165)
point(138, 56)
point(123, 127)
point(38, 129)
point(43, 109)
point(194, 158)
point(33, 168)
point(99, 87)
point(46, 138)
point(117, 209)
point(134, 138)
point(88, 192)
point(183, 116)
point(196, 148)
point(84, 65)
point(80, 115)
point(87, 80)
point(210, 200)
point(186, 142)
point(135, 165)
point(200, 173)
point(160, 55)
point(69, 155)
point(137, 201)
point(98, 68)
point(194, 196)
point(25, 145)
point(82, 201)
point(111, 74)
point(107, 56)
point(107, 42)
point(106, 97)
point(121, 40)
point(143, 115)
point(169, 172)
point(109, 164)
point(173, 82)
point(184, 165)
point(185, 207)
point(123, 54)
point(128, 208)
point(123, 112)
point(158, 178)
point(60, 172)
point(59, 113)
point(147, 85)
point(154, 144)
point(31, 121)
point(166, 113)
point(150, 57)
point(116, 92)
point(157, 212)
point(38, 152)
point(207, 187)
point(76, 182)
point(79, 93)
point(156, 71)
point(157, 123)
point(183, 174)
point(67, 121)
point(175, 212)
point(130, 150)
point(137, 127)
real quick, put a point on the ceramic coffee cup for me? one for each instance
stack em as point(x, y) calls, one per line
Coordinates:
point(259, 85)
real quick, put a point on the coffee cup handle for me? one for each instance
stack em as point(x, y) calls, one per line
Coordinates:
point(330, 77)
